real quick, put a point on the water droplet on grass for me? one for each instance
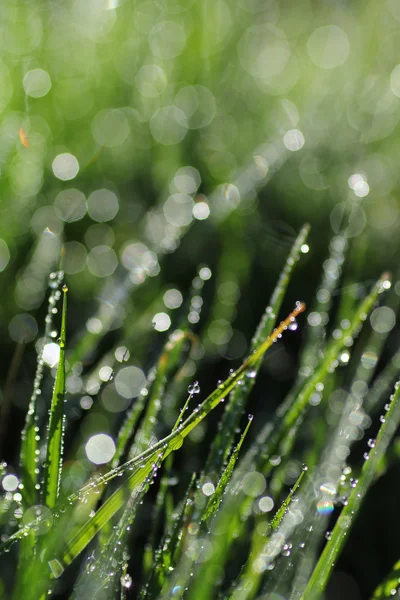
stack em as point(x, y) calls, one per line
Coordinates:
point(126, 581)
point(251, 374)
point(195, 388)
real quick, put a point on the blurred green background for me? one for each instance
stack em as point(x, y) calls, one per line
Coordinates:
point(160, 137)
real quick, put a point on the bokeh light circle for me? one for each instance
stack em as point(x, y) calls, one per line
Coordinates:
point(23, 328)
point(103, 205)
point(169, 125)
point(65, 166)
point(328, 47)
point(129, 381)
point(110, 127)
point(37, 83)
point(100, 449)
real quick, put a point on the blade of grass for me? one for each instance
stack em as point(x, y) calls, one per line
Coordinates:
point(333, 547)
point(315, 342)
point(112, 546)
point(55, 435)
point(239, 395)
point(389, 586)
point(216, 498)
point(170, 546)
point(249, 581)
point(169, 358)
point(30, 443)
point(29, 458)
point(161, 500)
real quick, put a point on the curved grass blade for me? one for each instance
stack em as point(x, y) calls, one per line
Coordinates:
point(239, 395)
point(55, 436)
point(77, 542)
point(389, 586)
point(161, 500)
point(333, 547)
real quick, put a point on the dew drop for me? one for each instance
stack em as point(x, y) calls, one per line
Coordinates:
point(126, 581)
point(194, 388)
point(251, 374)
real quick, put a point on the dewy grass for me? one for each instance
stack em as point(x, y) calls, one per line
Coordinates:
point(228, 508)
point(55, 434)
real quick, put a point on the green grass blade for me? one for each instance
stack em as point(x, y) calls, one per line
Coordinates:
point(169, 547)
point(216, 498)
point(389, 586)
point(106, 571)
point(30, 443)
point(382, 383)
point(54, 456)
point(78, 541)
point(168, 361)
point(239, 395)
point(279, 515)
point(250, 579)
point(333, 547)
point(315, 342)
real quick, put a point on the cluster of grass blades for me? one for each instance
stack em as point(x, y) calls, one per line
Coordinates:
point(238, 503)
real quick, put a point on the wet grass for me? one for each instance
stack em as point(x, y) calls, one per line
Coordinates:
point(234, 529)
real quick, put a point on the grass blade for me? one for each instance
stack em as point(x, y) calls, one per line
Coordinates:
point(237, 398)
point(169, 547)
point(54, 456)
point(250, 579)
point(331, 552)
point(216, 498)
point(388, 588)
point(168, 361)
point(30, 445)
